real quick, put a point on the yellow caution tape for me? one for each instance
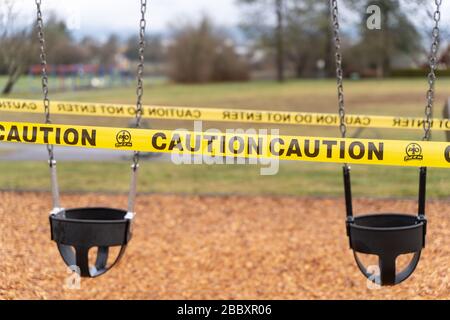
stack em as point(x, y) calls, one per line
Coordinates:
point(227, 115)
point(236, 145)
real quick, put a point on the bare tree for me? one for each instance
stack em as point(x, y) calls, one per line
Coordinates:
point(202, 53)
point(155, 50)
point(16, 45)
point(298, 31)
point(278, 34)
point(109, 50)
point(398, 35)
point(280, 39)
point(308, 37)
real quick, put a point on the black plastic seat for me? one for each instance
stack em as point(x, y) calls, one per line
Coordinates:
point(76, 231)
point(387, 236)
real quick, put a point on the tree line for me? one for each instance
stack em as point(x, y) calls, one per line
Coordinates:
point(300, 35)
point(292, 37)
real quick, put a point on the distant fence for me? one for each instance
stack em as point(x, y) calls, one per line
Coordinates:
point(75, 77)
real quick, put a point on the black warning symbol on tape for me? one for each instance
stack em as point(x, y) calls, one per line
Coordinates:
point(413, 152)
point(123, 139)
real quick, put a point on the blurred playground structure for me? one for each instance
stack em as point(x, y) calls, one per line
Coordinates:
point(74, 77)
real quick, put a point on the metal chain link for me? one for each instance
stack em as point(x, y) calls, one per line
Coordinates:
point(140, 73)
point(339, 71)
point(46, 100)
point(44, 76)
point(432, 75)
point(139, 94)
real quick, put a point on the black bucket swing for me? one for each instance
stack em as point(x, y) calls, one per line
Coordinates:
point(387, 235)
point(78, 231)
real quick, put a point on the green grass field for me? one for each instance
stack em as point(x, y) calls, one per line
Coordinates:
point(305, 179)
point(386, 97)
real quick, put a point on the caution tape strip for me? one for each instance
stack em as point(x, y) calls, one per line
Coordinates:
point(236, 145)
point(226, 115)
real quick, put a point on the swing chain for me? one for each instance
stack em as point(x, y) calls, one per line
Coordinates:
point(339, 71)
point(139, 111)
point(140, 73)
point(432, 75)
point(44, 76)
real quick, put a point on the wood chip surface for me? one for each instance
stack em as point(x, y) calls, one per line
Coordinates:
point(207, 247)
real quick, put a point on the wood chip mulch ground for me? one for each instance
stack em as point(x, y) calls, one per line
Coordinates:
point(207, 247)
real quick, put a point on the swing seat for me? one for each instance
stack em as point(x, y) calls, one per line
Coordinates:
point(76, 231)
point(388, 236)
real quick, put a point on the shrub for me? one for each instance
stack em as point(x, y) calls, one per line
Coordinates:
point(199, 53)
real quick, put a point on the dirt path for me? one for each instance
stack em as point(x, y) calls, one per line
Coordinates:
point(216, 247)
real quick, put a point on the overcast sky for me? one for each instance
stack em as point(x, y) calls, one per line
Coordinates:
point(120, 16)
point(101, 17)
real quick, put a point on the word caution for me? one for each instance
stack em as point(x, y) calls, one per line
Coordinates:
point(359, 151)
